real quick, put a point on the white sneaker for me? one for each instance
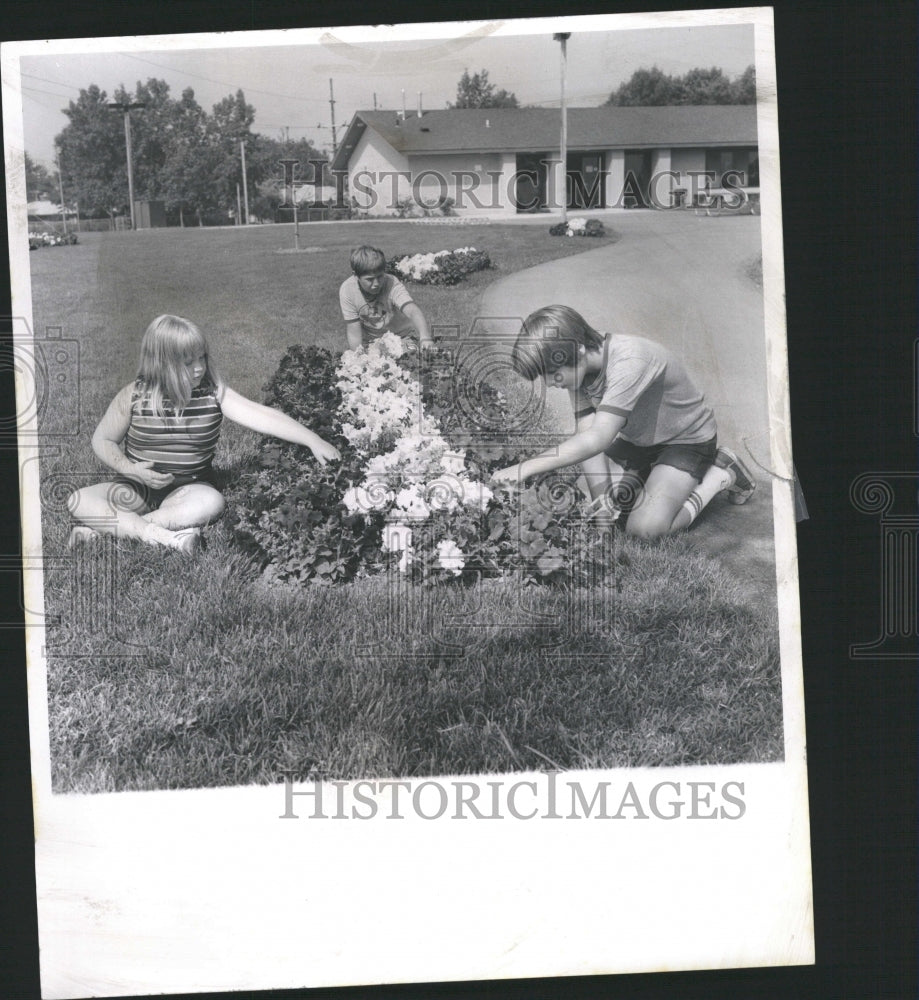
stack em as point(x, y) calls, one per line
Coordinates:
point(743, 486)
point(187, 540)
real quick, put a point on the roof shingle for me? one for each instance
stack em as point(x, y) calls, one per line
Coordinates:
point(537, 129)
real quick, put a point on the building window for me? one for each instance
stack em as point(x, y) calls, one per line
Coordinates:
point(744, 159)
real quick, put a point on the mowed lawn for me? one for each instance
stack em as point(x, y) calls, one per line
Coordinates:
point(169, 673)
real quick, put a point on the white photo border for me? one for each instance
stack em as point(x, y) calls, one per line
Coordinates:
point(210, 890)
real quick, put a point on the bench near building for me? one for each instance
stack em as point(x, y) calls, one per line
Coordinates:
point(502, 161)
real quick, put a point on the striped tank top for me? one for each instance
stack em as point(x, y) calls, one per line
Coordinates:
point(182, 445)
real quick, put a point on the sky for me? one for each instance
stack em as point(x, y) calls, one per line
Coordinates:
point(288, 84)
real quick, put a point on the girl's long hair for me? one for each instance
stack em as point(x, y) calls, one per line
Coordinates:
point(168, 344)
point(549, 339)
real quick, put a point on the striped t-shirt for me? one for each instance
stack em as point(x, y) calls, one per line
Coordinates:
point(181, 445)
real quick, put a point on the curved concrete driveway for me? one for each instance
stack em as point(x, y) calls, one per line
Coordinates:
point(682, 280)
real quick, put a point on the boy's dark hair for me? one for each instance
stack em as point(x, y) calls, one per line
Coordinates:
point(549, 340)
point(366, 260)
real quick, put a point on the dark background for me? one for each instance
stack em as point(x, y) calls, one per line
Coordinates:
point(847, 121)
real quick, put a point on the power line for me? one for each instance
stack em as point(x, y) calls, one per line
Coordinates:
point(225, 83)
point(36, 90)
point(56, 83)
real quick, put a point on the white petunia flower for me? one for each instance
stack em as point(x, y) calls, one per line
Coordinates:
point(371, 495)
point(410, 501)
point(476, 494)
point(444, 493)
point(450, 556)
point(454, 462)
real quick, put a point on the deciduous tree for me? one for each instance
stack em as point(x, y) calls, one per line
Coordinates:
point(41, 184)
point(93, 160)
point(653, 87)
point(476, 92)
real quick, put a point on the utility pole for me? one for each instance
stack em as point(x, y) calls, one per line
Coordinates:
point(242, 153)
point(60, 187)
point(127, 108)
point(563, 37)
point(332, 106)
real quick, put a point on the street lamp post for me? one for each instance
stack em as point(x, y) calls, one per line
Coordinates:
point(291, 169)
point(563, 36)
point(127, 108)
point(242, 157)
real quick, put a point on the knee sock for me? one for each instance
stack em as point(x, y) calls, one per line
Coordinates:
point(713, 482)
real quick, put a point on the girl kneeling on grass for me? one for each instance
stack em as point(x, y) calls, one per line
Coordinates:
point(169, 421)
point(644, 431)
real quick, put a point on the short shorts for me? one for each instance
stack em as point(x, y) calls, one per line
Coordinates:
point(153, 498)
point(692, 458)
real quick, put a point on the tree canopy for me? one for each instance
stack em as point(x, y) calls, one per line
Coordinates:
point(181, 154)
point(476, 92)
point(41, 184)
point(648, 87)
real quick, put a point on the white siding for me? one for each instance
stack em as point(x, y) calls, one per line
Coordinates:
point(615, 176)
point(475, 181)
point(372, 175)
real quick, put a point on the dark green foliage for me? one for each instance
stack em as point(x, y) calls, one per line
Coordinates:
point(304, 388)
point(287, 510)
point(473, 414)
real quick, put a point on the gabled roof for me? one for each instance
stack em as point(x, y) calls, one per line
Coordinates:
point(483, 130)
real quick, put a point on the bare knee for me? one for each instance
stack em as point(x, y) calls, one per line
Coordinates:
point(90, 501)
point(215, 506)
point(189, 506)
point(647, 524)
point(74, 502)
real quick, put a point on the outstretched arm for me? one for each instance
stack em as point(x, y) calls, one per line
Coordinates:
point(594, 440)
point(267, 420)
point(420, 323)
point(355, 334)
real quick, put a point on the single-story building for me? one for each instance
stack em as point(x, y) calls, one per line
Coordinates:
point(500, 161)
point(46, 210)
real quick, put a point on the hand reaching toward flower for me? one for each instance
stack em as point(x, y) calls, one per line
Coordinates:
point(268, 420)
point(325, 452)
point(508, 478)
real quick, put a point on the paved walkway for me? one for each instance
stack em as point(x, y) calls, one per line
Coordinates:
point(680, 279)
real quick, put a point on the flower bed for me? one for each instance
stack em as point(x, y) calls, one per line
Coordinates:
point(444, 267)
point(38, 240)
point(411, 493)
point(578, 227)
